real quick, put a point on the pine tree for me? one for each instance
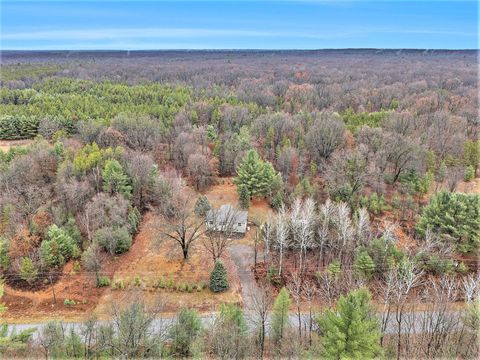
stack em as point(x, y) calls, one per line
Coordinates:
point(364, 264)
point(202, 206)
point(184, 332)
point(281, 308)
point(243, 196)
point(28, 271)
point(58, 247)
point(350, 331)
point(219, 278)
point(115, 180)
point(471, 154)
point(469, 173)
point(454, 216)
point(256, 175)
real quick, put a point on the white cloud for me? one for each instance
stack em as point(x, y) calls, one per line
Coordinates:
point(193, 33)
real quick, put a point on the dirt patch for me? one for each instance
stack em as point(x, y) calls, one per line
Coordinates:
point(73, 296)
point(471, 187)
point(155, 267)
point(225, 192)
point(5, 145)
point(405, 242)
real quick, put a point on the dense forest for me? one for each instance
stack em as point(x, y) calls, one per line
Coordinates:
point(368, 159)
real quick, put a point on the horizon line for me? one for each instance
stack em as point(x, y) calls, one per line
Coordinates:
point(247, 49)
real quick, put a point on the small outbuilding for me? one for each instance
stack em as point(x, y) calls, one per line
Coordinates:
point(227, 219)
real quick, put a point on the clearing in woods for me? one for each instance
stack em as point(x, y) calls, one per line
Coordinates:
point(153, 267)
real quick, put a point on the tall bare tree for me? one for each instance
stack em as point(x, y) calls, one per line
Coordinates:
point(186, 228)
point(218, 239)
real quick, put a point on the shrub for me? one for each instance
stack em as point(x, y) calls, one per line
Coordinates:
point(115, 240)
point(162, 283)
point(171, 282)
point(439, 266)
point(202, 206)
point(137, 281)
point(76, 267)
point(219, 278)
point(277, 200)
point(469, 173)
point(377, 204)
point(455, 217)
point(103, 281)
point(462, 268)
point(69, 302)
point(471, 154)
point(118, 284)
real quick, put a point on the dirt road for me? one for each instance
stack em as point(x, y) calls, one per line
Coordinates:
point(243, 257)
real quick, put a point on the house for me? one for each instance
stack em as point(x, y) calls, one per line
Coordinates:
point(227, 219)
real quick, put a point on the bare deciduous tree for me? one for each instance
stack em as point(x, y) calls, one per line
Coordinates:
point(217, 240)
point(186, 228)
point(261, 303)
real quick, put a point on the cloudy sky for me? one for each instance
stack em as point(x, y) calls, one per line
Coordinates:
point(132, 25)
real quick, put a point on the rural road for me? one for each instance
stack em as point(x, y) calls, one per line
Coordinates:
point(411, 323)
point(243, 257)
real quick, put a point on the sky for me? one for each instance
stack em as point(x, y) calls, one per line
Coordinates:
point(137, 25)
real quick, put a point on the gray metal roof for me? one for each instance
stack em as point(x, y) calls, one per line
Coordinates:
point(224, 213)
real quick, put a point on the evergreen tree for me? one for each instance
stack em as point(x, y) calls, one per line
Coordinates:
point(202, 206)
point(115, 180)
point(28, 270)
point(334, 269)
point(469, 173)
point(58, 247)
point(256, 175)
point(471, 154)
point(280, 310)
point(243, 196)
point(454, 216)
point(350, 331)
point(133, 218)
point(219, 278)
point(364, 264)
point(184, 332)
point(233, 315)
